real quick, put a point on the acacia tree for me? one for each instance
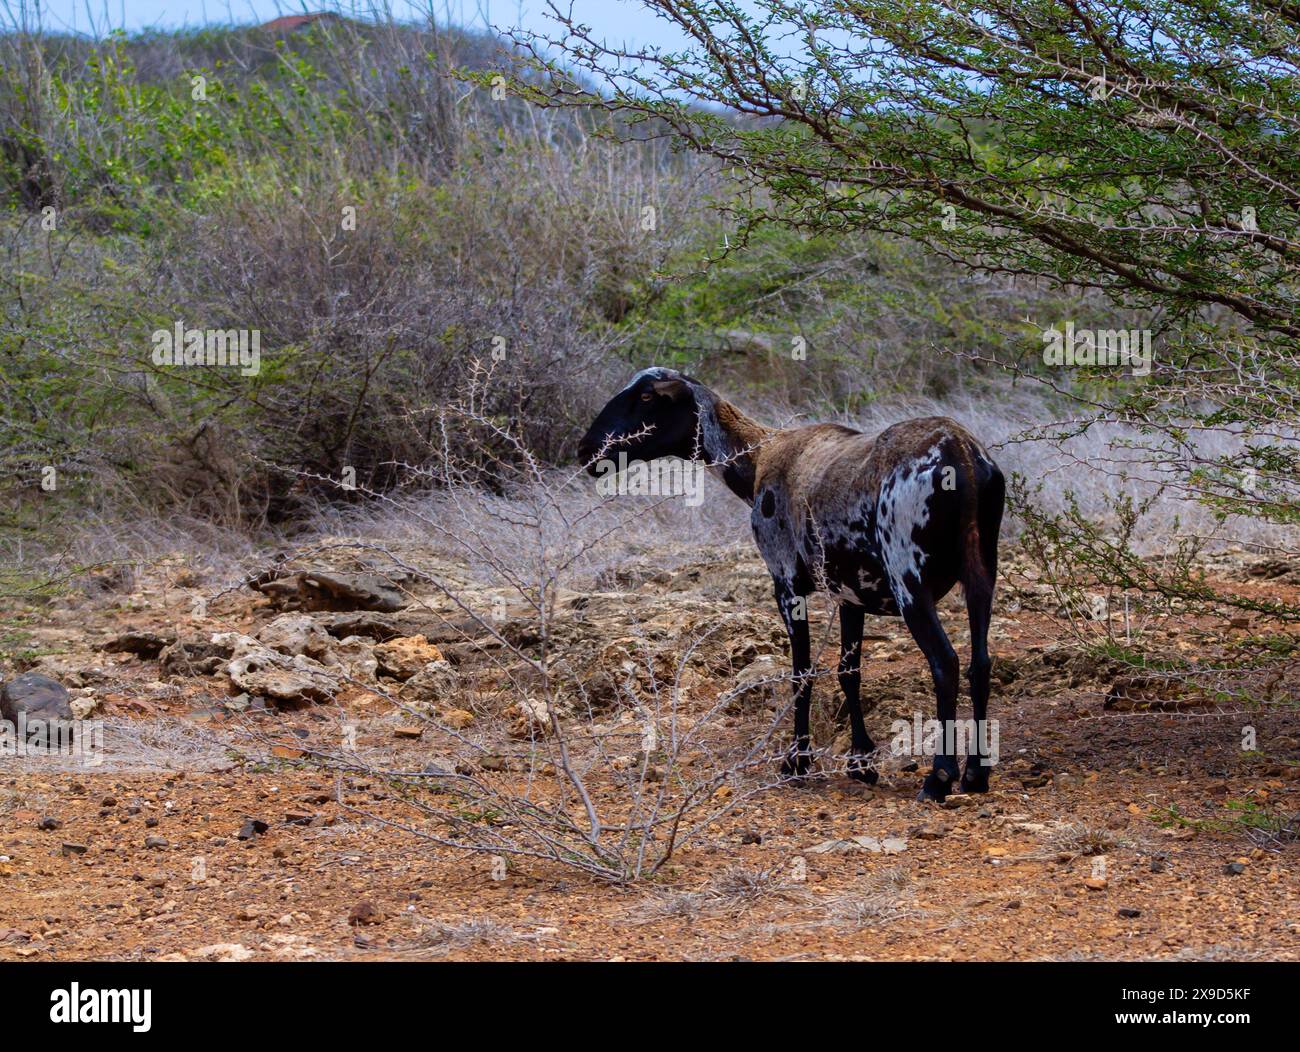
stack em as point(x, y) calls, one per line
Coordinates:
point(1139, 147)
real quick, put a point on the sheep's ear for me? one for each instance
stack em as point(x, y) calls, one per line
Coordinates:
point(672, 388)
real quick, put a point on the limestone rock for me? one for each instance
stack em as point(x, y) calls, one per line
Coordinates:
point(764, 681)
point(145, 644)
point(295, 634)
point(405, 656)
point(435, 683)
point(270, 674)
point(35, 696)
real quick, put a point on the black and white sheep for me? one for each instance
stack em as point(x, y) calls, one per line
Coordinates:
point(886, 524)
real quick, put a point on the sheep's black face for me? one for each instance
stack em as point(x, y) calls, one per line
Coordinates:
point(653, 416)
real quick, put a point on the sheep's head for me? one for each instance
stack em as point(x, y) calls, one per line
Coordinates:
point(653, 416)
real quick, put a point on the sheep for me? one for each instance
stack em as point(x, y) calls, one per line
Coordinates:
point(886, 525)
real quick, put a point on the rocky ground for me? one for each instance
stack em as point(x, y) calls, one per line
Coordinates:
point(245, 807)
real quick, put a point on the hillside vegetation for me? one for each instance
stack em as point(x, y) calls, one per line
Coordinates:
point(407, 214)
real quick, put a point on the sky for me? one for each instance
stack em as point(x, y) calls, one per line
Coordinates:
point(618, 20)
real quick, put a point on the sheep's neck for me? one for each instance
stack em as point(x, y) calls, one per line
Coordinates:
point(730, 442)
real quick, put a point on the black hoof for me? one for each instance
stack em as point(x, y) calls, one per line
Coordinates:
point(936, 787)
point(796, 763)
point(975, 779)
point(860, 770)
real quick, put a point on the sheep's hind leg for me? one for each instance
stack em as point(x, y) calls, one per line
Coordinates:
point(794, 611)
point(851, 621)
point(979, 603)
point(923, 621)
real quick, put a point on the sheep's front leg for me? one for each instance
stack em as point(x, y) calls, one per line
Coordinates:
point(794, 611)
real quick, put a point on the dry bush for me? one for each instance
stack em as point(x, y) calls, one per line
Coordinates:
point(482, 229)
point(595, 745)
point(365, 328)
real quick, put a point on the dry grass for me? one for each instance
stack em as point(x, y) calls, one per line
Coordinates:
point(664, 533)
point(883, 899)
point(657, 534)
point(734, 889)
point(443, 937)
point(1080, 839)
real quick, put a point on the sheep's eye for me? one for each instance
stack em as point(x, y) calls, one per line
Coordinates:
point(646, 396)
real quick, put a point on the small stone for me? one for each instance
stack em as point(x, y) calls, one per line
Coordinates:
point(150, 822)
point(1095, 883)
point(1234, 869)
point(69, 850)
point(456, 719)
point(108, 801)
point(408, 732)
point(252, 827)
point(224, 951)
point(1128, 912)
point(48, 824)
point(751, 838)
point(364, 912)
point(155, 842)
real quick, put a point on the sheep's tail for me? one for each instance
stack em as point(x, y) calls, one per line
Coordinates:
point(983, 498)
